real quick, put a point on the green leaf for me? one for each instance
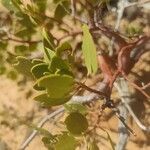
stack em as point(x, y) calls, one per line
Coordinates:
point(37, 87)
point(49, 45)
point(89, 51)
point(12, 74)
point(2, 69)
point(33, 46)
point(26, 22)
point(41, 4)
point(21, 49)
point(49, 139)
point(39, 69)
point(48, 55)
point(76, 123)
point(58, 64)
point(11, 5)
point(65, 72)
point(62, 9)
point(49, 142)
point(48, 39)
point(3, 45)
point(46, 101)
point(65, 142)
point(57, 86)
point(76, 107)
point(24, 66)
point(63, 47)
point(134, 30)
point(25, 33)
point(37, 61)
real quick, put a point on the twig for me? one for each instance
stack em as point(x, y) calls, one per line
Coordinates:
point(120, 10)
point(142, 46)
point(137, 3)
point(122, 119)
point(105, 30)
point(73, 14)
point(146, 86)
point(80, 19)
point(91, 90)
point(110, 33)
point(137, 87)
point(126, 100)
point(21, 41)
point(123, 91)
point(41, 123)
point(84, 99)
point(73, 8)
point(123, 132)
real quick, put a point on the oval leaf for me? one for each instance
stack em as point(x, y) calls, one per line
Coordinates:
point(63, 47)
point(76, 123)
point(57, 86)
point(39, 70)
point(58, 64)
point(45, 100)
point(24, 66)
point(89, 51)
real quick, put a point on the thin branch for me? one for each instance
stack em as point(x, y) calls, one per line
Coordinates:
point(84, 99)
point(126, 100)
point(137, 87)
point(41, 123)
point(142, 2)
point(146, 86)
point(120, 11)
point(73, 14)
point(54, 19)
point(123, 132)
point(105, 30)
point(101, 94)
point(142, 46)
point(123, 91)
point(21, 41)
point(110, 33)
point(60, 22)
point(81, 20)
point(73, 8)
point(117, 112)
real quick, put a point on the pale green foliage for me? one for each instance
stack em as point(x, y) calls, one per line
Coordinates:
point(89, 51)
point(46, 101)
point(57, 86)
point(24, 66)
